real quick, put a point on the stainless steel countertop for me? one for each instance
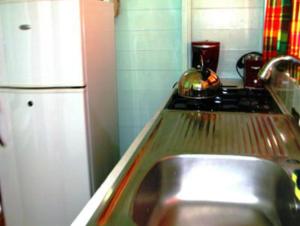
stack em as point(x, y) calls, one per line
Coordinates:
point(262, 135)
point(179, 132)
point(173, 132)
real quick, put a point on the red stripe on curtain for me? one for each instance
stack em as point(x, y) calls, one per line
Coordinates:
point(294, 40)
point(272, 27)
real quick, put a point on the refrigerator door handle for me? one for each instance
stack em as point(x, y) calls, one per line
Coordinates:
point(2, 143)
point(2, 128)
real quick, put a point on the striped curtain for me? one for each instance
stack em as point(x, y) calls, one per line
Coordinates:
point(294, 38)
point(282, 31)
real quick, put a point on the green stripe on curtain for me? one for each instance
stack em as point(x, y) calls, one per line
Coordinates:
point(285, 22)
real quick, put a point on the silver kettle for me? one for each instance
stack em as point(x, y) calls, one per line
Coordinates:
point(199, 84)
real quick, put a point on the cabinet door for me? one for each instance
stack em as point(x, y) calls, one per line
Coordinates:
point(40, 43)
point(44, 165)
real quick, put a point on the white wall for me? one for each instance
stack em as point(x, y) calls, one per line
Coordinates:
point(148, 60)
point(237, 24)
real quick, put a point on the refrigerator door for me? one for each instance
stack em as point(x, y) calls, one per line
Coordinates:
point(44, 172)
point(40, 44)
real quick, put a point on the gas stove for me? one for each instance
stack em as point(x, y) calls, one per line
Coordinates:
point(229, 100)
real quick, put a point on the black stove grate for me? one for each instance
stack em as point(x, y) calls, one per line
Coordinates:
point(231, 100)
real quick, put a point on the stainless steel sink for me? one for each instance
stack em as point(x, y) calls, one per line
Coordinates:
point(208, 190)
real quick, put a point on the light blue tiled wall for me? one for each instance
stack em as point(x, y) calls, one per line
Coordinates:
point(237, 24)
point(148, 42)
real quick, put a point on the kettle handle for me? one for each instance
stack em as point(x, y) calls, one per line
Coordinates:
point(200, 67)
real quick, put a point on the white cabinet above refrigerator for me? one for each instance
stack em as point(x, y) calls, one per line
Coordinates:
point(41, 43)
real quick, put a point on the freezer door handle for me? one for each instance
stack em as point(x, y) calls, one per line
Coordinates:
point(25, 27)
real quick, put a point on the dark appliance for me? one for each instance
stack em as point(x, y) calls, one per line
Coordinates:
point(251, 63)
point(230, 100)
point(206, 52)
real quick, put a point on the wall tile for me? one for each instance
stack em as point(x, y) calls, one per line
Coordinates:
point(227, 3)
point(136, 108)
point(134, 117)
point(149, 20)
point(149, 60)
point(148, 40)
point(147, 80)
point(240, 18)
point(148, 45)
point(128, 134)
point(150, 4)
point(137, 118)
point(231, 39)
point(142, 99)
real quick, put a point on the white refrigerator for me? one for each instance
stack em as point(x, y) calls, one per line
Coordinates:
point(58, 108)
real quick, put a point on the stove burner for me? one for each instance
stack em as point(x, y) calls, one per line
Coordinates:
point(232, 100)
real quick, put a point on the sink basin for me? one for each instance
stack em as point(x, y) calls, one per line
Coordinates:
point(207, 190)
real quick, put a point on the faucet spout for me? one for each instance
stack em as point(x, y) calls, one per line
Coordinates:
point(266, 71)
point(297, 207)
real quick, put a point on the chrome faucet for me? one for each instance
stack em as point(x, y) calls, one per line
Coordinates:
point(297, 207)
point(266, 71)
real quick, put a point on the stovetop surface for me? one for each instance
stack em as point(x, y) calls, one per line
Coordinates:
point(229, 100)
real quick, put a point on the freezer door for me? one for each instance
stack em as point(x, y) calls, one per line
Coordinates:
point(40, 44)
point(44, 171)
